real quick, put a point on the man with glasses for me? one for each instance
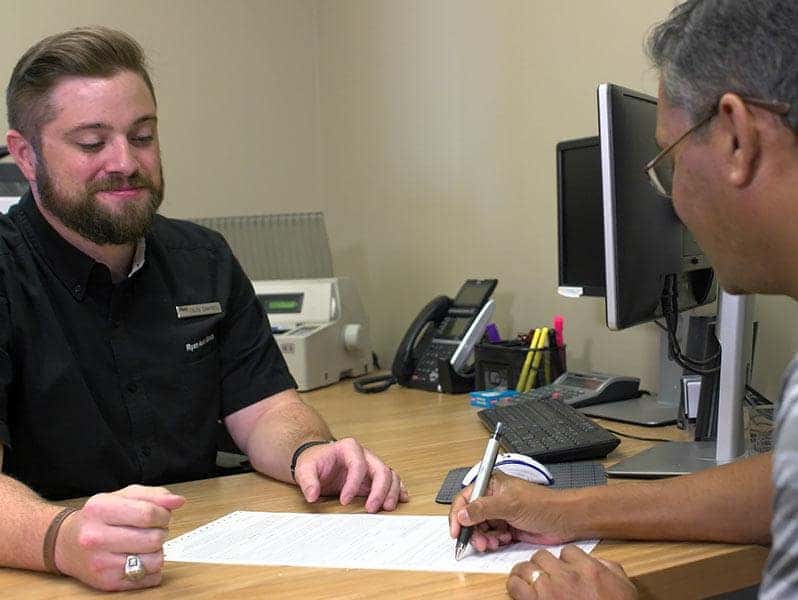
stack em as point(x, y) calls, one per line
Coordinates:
point(727, 117)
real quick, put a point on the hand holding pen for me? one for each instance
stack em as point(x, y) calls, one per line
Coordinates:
point(480, 486)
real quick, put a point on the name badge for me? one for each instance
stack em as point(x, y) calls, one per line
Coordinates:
point(198, 310)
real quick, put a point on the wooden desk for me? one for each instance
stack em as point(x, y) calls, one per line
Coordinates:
point(421, 435)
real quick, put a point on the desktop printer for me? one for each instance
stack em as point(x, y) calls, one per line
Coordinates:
point(320, 326)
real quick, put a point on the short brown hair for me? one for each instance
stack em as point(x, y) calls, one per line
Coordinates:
point(81, 52)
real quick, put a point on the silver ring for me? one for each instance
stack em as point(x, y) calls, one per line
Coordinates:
point(534, 576)
point(134, 568)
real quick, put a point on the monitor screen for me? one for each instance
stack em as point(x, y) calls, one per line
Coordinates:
point(646, 246)
point(580, 216)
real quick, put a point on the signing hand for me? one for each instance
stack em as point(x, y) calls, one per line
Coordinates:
point(574, 576)
point(512, 510)
point(93, 542)
point(348, 469)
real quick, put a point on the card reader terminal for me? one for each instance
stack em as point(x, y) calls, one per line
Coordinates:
point(585, 389)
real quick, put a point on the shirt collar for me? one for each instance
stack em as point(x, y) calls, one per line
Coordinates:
point(69, 264)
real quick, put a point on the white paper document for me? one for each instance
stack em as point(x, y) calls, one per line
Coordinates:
point(392, 542)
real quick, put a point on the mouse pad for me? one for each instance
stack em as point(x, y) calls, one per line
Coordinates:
point(566, 475)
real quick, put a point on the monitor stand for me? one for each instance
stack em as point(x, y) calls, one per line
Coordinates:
point(650, 411)
point(679, 458)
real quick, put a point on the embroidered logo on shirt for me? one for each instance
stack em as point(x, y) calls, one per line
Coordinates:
point(191, 347)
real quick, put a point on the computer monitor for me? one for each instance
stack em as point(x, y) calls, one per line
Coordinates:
point(580, 218)
point(646, 245)
point(648, 254)
point(655, 267)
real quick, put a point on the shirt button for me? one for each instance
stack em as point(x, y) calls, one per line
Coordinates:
point(132, 388)
point(77, 289)
point(145, 451)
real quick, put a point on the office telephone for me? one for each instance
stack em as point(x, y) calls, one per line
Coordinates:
point(443, 333)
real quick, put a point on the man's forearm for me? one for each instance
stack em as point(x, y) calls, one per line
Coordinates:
point(25, 520)
point(732, 503)
point(279, 429)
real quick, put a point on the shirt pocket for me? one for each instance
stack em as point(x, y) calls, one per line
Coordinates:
point(197, 339)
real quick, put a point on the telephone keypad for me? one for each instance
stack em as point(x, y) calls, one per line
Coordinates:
point(427, 366)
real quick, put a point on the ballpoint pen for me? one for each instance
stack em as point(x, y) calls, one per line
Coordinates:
point(480, 486)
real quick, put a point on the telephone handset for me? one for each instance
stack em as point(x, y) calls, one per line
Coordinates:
point(418, 337)
point(445, 330)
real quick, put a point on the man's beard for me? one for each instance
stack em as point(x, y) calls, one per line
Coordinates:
point(85, 215)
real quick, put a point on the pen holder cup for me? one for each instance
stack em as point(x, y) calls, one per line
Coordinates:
point(498, 365)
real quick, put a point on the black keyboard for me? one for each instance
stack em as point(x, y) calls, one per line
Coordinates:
point(548, 430)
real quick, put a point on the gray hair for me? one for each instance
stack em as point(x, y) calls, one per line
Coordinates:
point(706, 48)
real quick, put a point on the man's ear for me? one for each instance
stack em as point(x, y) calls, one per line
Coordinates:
point(24, 154)
point(742, 143)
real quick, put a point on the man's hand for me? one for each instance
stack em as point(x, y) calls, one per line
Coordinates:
point(574, 576)
point(512, 510)
point(348, 469)
point(93, 542)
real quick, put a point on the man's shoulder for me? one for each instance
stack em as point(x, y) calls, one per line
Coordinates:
point(180, 234)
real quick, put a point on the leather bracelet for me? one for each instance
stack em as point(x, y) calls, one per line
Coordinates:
point(48, 549)
point(304, 447)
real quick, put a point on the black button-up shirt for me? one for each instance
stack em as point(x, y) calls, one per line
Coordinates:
point(101, 384)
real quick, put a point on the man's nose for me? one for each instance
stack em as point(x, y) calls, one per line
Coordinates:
point(120, 157)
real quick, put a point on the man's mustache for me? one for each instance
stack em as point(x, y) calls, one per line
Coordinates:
point(116, 183)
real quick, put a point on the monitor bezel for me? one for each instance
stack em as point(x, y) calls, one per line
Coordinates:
point(562, 147)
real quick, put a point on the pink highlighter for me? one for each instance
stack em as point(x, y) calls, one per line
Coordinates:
point(558, 323)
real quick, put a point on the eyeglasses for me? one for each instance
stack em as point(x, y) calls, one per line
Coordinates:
point(660, 171)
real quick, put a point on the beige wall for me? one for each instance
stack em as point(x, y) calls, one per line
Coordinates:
point(440, 121)
point(425, 129)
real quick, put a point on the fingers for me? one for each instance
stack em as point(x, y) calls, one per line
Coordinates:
point(483, 509)
point(356, 468)
point(573, 554)
point(350, 470)
point(308, 480)
point(492, 505)
point(93, 543)
point(394, 492)
point(128, 540)
point(404, 495)
point(109, 572)
point(157, 495)
point(115, 509)
point(612, 566)
point(574, 575)
point(458, 504)
point(387, 488)
point(523, 580)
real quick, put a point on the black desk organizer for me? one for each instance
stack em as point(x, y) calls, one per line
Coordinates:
point(498, 365)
